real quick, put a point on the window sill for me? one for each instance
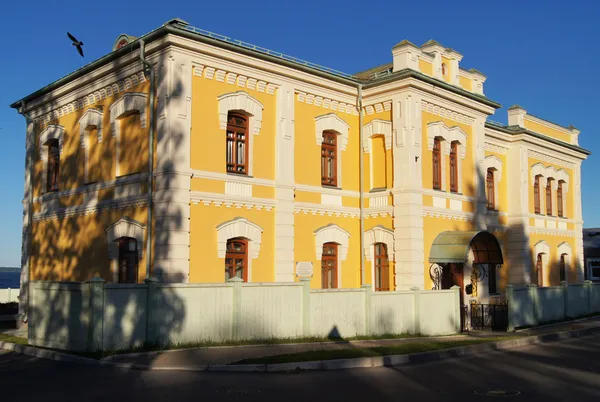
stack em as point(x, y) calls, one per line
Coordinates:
point(439, 190)
point(378, 190)
point(492, 211)
point(240, 175)
point(331, 187)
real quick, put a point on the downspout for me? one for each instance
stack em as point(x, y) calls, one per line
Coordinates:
point(148, 66)
point(362, 185)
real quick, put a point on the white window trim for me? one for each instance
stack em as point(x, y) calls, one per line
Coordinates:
point(378, 234)
point(51, 132)
point(542, 247)
point(240, 227)
point(242, 102)
point(565, 248)
point(332, 122)
point(376, 127)
point(124, 227)
point(127, 104)
point(589, 268)
point(92, 118)
point(549, 172)
point(494, 163)
point(447, 135)
point(333, 234)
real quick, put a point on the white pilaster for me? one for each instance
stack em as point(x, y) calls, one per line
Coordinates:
point(26, 231)
point(284, 186)
point(576, 188)
point(479, 173)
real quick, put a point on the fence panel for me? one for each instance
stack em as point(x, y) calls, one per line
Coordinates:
point(124, 323)
point(392, 313)
point(437, 312)
point(59, 315)
point(595, 298)
point(9, 295)
point(183, 313)
point(577, 301)
point(271, 310)
point(337, 312)
point(551, 304)
point(522, 309)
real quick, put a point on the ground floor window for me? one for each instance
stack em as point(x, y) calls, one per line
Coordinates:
point(539, 269)
point(236, 259)
point(128, 260)
point(329, 266)
point(381, 267)
point(563, 268)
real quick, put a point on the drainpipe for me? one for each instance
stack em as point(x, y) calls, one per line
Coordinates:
point(148, 66)
point(362, 185)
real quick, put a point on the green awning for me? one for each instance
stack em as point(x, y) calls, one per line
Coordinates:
point(453, 247)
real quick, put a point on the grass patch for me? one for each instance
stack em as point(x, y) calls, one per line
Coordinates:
point(402, 349)
point(13, 339)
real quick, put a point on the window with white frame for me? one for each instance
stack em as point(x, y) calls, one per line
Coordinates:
point(593, 265)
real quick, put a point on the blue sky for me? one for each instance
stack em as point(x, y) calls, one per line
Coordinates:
point(542, 55)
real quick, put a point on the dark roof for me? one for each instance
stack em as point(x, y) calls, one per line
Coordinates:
point(371, 72)
point(591, 238)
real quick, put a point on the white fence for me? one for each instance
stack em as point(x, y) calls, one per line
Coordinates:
point(531, 306)
point(9, 295)
point(95, 315)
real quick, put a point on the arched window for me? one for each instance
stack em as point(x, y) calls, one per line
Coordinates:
point(53, 167)
point(539, 269)
point(536, 195)
point(437, 164)
point(454, 167)
point(237, 143)
point(489, 184)
point(549, 197)
point(328, 159)
point(563, 268)
point(559, 198)
point(236, 259)
point(128, 260)
point(382, 281)
point(329, 266)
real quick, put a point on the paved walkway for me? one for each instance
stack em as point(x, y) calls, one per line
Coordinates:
point(228, 355)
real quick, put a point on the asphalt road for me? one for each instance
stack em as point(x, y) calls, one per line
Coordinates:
point(565, 371)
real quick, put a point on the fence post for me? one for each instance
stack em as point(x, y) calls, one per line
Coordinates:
point(535, 299)
point(417, 295)
point(587, 284)
point(237, 307)
point(510, 295)
point(368, 293)
point(95, 340)
point(457, 309)
point(305, 306)
point(565, 286)
point(151, 284)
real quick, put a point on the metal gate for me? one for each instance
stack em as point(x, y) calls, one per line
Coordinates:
point(489, 317)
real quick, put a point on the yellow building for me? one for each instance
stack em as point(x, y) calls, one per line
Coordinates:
point(269, 168)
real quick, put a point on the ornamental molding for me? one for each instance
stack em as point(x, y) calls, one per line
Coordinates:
point(332, 121)
point(377, 127)
point(232, 78)
point(553, 232)
point(448, 134)
point(126, 227)
point(231, 201)
point(493, 162)
point(446, 113)
point(565, 248)
point(92, 118)
point(378, 234)
point(377, 108)
point(239, 227)
point(129, 102)
point(112, 89)
point(334, 234)
point(321, 210)
point(59, 213)
point(240, 100)
point(433, 212)
point(550, 159)
point(495, 148)
point(51, 132)
point(326, 103)
point(548, 172)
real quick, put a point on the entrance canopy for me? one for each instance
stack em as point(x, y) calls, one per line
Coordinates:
point(453, 247)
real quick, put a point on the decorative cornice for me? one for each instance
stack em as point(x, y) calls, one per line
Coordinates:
point(318, 209)
point(495, 148)
point(122, 203)
point(234, 178)
point(228, 201)
point(446, 113)
point(234, 79)
point(549, 159)
point(553, 232)
point(110, 90)
point(448, 214)
point(326, 103)
point(377, 107)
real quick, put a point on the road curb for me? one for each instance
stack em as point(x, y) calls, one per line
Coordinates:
point(339, 364)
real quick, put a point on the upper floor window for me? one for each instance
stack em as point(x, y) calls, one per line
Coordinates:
point(454, 167)
point(237, 143)
point(444, 69)
point(128, 260)
point(536, 195)
point(53, 164)
point(437, 164)
point(489, 184)
point(329, 159)
point(329, 266)
point(549, 197)
point(236, 259)
point(382, 265)
point(559, 199)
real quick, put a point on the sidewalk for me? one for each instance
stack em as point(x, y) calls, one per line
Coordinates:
point(231, 354)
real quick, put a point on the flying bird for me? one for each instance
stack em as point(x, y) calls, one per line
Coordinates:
point(76, 43)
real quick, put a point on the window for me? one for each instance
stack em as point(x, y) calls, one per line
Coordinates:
point(443, 68)
point(491, 194)
point(329, 266)
point(53, 165)
point(593, 269)
point(536, 195)
point(382, 265)
point(454, 167)
point(559, 198)
point(437, 164)
point(563, 268)
point(328, 159)
point(237, 143)
point(128, 260)
point(236, 259)
point(539, 270)
point(549, 197)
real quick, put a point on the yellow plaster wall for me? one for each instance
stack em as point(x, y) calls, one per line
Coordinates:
point(205, 264)
point(307, 196)
point(550, 132)
point(208, 140)
point(426, 67)
point(207, 185)
point(466, 83)
point(552, 273)
point(133, 148)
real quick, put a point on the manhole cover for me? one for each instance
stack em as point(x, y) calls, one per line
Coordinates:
point(497, 392)
point(238, 391)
